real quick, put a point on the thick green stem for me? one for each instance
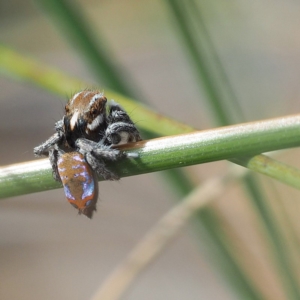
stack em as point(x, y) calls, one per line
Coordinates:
point(172, 152)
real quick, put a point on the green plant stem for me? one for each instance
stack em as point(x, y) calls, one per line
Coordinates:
point(270, 167)
point(172, 152)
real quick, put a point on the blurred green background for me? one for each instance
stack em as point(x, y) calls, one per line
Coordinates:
point(49, 252)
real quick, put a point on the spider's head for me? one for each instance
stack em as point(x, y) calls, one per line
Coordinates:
point(85, 116)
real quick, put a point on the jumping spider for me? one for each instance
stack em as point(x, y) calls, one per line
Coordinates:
point(91, 127)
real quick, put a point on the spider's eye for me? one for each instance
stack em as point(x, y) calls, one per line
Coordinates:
point(67, 109)
point(94, 111)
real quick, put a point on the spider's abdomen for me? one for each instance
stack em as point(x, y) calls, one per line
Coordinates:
point(79, 182)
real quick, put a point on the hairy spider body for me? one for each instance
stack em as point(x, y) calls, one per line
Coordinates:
point(89, 127)
point(79, 182)
point(85, 117)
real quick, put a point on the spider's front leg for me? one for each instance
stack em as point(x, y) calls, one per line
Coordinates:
point(55, 139)
point(96, 154)
point(51, 148)
point(44, 148)
point(120, 129)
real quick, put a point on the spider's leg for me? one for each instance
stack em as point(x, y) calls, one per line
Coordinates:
point(99, 166)
point(99, 150)
point(120, 129)
point(53, 157)
point(44, 148)
point(96, 154)
point(122, 133)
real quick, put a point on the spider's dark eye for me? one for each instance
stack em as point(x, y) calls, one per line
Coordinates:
point(94, 111)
